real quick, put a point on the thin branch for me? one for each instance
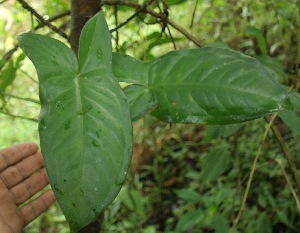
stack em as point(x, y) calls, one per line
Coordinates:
point(253, 168)
point(18, 116)
point(116, 23)
point(289, 183)
point(28, 76)
point(298, 45)
point(9, 54)
point(53, 18)
point(165, 24)
point(288, 156)
point(171, 36)
point(194, 13)
point(20, 98)
point(26, 6)
point(285, 149)
point(156, 15)
point(142, 8)
point(176, 26)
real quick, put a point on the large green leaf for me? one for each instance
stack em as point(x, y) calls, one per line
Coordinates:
point(84, 124)
point(210, 85)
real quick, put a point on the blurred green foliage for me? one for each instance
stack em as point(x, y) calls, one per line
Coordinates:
point(179, 184)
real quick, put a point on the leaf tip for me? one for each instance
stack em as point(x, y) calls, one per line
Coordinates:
point(21, 37)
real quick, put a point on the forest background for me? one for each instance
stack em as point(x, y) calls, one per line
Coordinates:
point(184, 178)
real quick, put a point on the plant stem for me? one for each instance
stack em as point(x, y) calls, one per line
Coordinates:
point(141, 9)
point(81, 12)
point(288, 156)
point(26, 6)
point(289, 183)
point(21, 117)
point(298, 45)
point(156, 15)
point(20, 98)
point(235, 223)
point(7, 56)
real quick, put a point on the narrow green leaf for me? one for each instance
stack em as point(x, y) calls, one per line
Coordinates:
point(189, 220)
point(211, 85)
point(84, 124)
point(215, 163)
point(175, 2)
point(263, 224)
point(216, 131)
point(188, 195)
point(257, 34)
point(283, 217)
point(8, 74)
point(292, 118)
point(274, 67)
point(133, 200)
point(220, 224)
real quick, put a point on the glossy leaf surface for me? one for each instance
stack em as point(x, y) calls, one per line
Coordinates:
point(210, 85)
point(84, 124)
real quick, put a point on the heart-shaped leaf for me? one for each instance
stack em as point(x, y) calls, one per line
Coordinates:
point(84, 124)
point(211, 85)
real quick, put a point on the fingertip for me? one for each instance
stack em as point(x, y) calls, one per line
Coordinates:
point(26, 148)
point(49, 198)
point(52, 195)
point(33, 146)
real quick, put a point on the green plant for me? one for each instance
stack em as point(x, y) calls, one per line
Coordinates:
point(85, 125)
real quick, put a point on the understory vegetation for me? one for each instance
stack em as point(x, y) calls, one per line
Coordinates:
point(183, 178)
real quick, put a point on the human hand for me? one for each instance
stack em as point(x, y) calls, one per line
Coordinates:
point(22, 175)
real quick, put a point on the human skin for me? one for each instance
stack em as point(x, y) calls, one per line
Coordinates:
point(22, 175)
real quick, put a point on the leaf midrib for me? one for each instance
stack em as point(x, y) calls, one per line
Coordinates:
point(78, 102)
point(201, 87)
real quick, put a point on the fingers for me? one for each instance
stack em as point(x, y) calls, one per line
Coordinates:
point(37, 206)
point(16, 153)
point(29, 187)
point(20, 171)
